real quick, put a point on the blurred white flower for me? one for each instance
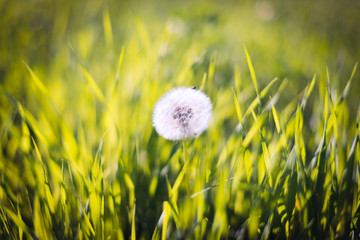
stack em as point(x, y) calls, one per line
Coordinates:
point(182, 113)
point(176, 26)
point(265, 10)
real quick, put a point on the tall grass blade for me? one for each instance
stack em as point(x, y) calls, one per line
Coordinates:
point(346, 90)
point(248, 165)
point(107, 28)
point(255, 127)
point(87, 226)
point(263, 93)
point(38, 84)
point(48, 195)
point(133, 229)
point(276, 119)
point(237, 78)
point(211, 71)
point(117, 76)
point(166, 218)
point(203, 82)
point(237, 106)
point(20, 223)
point(252, 73)
point(94, 86)
point(308, 91)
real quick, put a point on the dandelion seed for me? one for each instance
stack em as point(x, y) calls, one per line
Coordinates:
point(182, 113)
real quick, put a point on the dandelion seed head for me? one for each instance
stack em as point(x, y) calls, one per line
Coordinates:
point(182, 113)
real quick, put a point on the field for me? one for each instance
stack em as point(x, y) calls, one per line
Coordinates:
point(80, 158)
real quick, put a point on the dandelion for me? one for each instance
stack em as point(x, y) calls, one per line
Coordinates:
point(182, 113)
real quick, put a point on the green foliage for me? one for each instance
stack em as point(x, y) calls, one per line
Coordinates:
point(80, 159)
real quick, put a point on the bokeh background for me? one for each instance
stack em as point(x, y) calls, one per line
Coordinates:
point(74, 73)
point(285, 38)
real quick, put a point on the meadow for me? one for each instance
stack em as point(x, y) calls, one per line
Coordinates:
point(80, 158)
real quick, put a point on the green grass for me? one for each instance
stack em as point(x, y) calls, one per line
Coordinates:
point(79, 156)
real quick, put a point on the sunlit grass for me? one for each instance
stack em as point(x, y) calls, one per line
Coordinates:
point(80, 158)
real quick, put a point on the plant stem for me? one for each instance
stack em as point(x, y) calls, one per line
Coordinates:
point(187, 174)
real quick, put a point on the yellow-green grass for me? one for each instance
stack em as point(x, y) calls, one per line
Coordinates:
point(79, 156)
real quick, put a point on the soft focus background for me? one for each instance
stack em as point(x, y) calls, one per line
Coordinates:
point(80, 158)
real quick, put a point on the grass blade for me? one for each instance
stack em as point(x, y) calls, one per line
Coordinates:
point(20, 223)
point(252, 72)
point(94, 86)
point(117, 76)
point(48, 195)
point(203, 82)
point(255, 127)
point(38, 84)
point(107, 28)
point(346, 90)
point(237, 106)
point(133, 229)
point(276, 119)
point(263, 93)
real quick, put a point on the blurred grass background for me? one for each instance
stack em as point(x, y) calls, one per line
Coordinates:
point(289, 40)
point(79, 80)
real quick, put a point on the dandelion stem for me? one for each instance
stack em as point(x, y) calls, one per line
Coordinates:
point(184, 150)
point(187, 174)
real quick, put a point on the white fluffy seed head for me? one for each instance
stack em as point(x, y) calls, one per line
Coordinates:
point(182, 113)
